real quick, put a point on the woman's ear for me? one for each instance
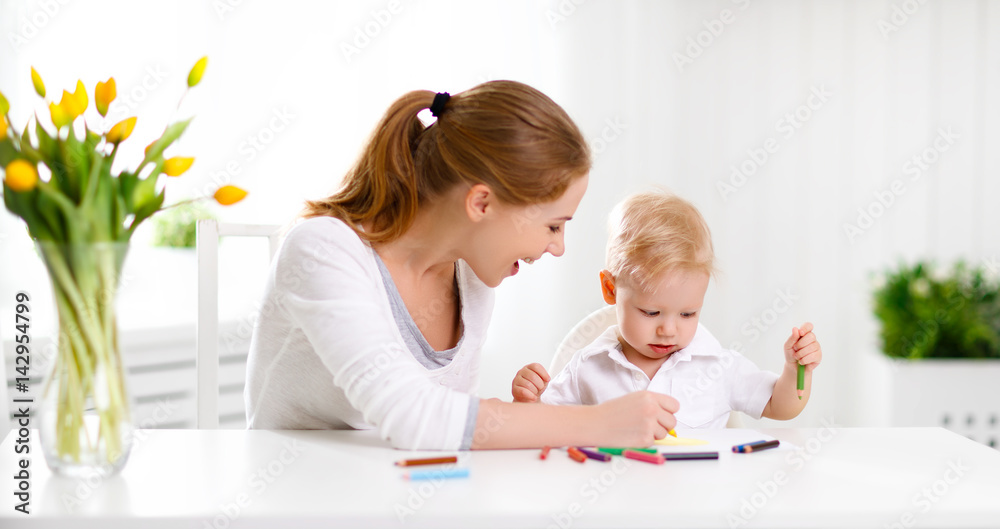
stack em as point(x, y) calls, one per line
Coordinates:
point(478, 199)
point(608, 287)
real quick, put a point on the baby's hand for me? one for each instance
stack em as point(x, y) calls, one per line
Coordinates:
point(803, 348)
point(529, 383)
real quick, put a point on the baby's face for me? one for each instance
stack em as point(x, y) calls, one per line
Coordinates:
point(655, 325)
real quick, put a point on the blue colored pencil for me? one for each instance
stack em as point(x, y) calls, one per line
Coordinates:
point(437, 474)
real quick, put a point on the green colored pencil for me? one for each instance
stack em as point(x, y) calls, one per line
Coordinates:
point(801, 383)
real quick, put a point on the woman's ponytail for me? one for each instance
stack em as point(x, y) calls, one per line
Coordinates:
point(503, 134)
point(382, 190)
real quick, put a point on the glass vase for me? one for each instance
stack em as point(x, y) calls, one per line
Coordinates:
point(85, 410)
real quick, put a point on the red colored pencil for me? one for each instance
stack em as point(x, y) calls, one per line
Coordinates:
point(656, 459)
point(545, 452)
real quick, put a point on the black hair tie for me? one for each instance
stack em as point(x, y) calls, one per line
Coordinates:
point(437, 107)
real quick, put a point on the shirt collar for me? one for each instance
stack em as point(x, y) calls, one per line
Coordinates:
point(703, 344)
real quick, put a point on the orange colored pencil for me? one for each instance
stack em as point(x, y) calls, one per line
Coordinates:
point(427, 461)
point(577, 455)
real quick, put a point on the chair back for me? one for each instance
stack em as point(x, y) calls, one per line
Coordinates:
point(207, 341)
point(584, 332)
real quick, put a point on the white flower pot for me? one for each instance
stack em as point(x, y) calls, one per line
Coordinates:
point(960, 395)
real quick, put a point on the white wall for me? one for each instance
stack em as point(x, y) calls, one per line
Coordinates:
point(894, 73)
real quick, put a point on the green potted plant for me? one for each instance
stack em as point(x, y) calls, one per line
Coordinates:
point(940, 328)
point(177, 226)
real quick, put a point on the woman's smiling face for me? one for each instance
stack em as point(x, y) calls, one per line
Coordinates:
point(509, 234)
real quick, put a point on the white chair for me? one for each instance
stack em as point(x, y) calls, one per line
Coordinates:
point(587, 331)
point(581, 335)
point(207, 357)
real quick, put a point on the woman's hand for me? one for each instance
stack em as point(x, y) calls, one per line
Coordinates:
point(529, 383)
point(636, 419)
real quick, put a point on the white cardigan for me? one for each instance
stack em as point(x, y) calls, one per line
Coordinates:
point(326, 352)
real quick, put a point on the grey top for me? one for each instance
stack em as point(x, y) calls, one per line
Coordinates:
point(414, 339)
point(418, 346)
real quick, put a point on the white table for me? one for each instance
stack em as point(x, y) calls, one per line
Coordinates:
point(837, 477)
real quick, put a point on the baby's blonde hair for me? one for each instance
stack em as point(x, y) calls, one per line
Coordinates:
point(655, 232)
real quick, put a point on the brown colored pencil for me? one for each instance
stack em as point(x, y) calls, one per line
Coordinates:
point(427, 461)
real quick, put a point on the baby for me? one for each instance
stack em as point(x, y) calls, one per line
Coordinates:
point(659, 262)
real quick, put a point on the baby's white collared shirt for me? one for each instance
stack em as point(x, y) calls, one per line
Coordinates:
point(708, 380)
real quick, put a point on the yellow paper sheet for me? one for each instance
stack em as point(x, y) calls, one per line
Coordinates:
point(679, 441)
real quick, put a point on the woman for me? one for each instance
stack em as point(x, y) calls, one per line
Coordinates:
point(378, 303)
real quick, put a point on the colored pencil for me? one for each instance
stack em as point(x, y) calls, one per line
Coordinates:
point(672, 432)
point(426, 461)
point(576, 455)
point(656, 459)
point(800, 384)
point(739, 448)
point(437, 474)
point(545, 452)
point(600, 456)
point(618, 451)
point(756, 446)
point(670, 456)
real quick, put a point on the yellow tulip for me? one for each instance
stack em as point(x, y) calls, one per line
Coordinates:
point(4, 105)
point(21, 175)
point(60, 117)
point(229, 195)
point(71, 104)
point(121, 131)
point(197, 71)
point(37, 81)
point(3, 127)
point(177, 165)
point(80, 97)
point(104, 94)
